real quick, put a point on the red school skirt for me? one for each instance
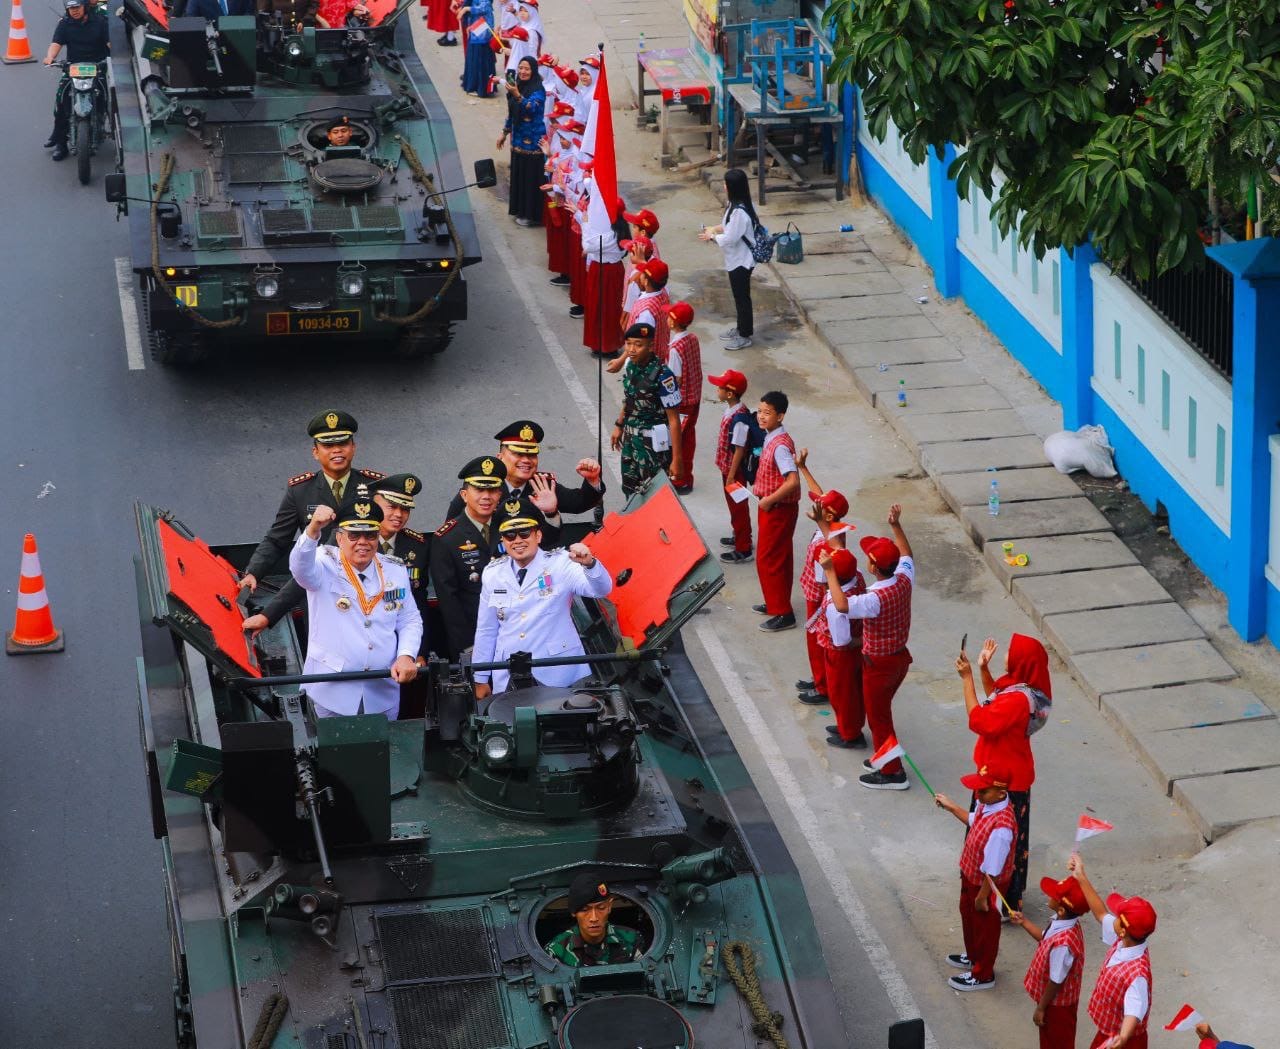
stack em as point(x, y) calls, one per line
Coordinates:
point(600, 330)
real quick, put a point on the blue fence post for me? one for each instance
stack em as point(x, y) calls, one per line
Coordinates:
point(1255, 409)
point(1076, 304)
point(945, 206)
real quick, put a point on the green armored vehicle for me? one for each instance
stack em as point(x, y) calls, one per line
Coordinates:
point(354, 883)
point(248, 220)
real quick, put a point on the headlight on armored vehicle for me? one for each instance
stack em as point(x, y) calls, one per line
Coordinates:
point(293, 47)
point(266, 286)
point(351, 284)
point(497, 748)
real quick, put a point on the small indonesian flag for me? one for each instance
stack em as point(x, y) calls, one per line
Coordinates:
point(1089, 826)
point(475, 27)
point(888, 751)
point(1185, 1020)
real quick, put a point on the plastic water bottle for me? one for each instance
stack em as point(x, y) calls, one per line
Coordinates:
point(846, 228)
point(993, 500)
point(882, 367)
point(642, 47)
point(902, 393)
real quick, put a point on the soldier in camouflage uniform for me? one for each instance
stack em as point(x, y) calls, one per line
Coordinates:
point(648, 430)
point(594, 940)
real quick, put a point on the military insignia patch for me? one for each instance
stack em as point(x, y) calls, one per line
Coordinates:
point(363, 509)
point(445, 528)
point(300, 478)
point(409, 485)
point(486, 467)
point(526, 433)
point(512, 506)
point(331, 420)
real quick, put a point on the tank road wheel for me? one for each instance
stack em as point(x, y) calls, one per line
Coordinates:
point(84, 150)
point(422, 340)
point(172, 349)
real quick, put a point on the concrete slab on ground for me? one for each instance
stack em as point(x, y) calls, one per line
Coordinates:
point(808, 288)
point(1047, 595)
point(1218, 803)
point(904, 351)
point(1016, 486)
point(1186, 753)
point(886, 329)
point(1002, 453)
point(1149, 666)
point(916, 376)
point(1183, 706)
point(1104, 628)
point(1022, 520)
point(946, 400)
point(852, 262)
point(820, 243)
point(1056, 555)
point(940, 427)
point(893, 304)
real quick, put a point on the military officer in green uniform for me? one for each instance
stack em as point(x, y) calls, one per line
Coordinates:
point(333, 447)
point(594, 940)
point(460, 549)
point(648, 429)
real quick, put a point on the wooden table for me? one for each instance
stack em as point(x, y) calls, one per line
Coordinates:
point(679, 80)
point(745, 114)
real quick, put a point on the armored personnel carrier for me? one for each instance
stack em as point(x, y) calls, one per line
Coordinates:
point(247, 222)
point(354, 883)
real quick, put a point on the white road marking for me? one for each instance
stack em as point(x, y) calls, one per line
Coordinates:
point(895, 986)
point(129, 314)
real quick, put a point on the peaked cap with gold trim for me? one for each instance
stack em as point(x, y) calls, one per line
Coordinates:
point(332, 427)
point(523, 435)
point(359, 513)
point(399, 489)
point(484, 471)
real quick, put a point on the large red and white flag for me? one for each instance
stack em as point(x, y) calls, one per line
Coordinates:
point(1091, 825)
point(597, 146)
point(889, 750)
point(1185, 1020)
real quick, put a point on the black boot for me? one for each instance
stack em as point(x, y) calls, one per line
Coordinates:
point(60, 152)
point(52, 140)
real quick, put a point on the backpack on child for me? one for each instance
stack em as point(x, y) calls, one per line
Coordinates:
point(756, 435)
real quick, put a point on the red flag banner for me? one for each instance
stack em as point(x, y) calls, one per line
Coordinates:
point(1088, 826)
point(597, 145)
point(889, 750)
point(1185, 1020)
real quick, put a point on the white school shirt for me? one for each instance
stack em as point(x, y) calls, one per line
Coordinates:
point(782, 458)
point(737, 252)
point(998, 843)
point(867, 606)
point(838, 622)
point(1137, 999)
point(1060, 957)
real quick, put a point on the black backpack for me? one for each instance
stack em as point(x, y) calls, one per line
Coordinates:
point(755, 445)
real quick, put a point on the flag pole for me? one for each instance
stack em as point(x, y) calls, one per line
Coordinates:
point(600, 357)
point(999, 894)
point(919, 775)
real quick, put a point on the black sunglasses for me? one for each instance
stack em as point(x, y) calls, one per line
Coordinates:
point(518, 533)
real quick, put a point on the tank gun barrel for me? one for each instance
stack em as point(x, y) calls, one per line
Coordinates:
point(637, 656)
point(309, 794)
point(211, 43)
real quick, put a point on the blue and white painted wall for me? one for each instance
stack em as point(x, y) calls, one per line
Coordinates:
point(1201, 445)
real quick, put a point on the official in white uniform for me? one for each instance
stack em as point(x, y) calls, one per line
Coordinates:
point(525, 605)
point(361, 611)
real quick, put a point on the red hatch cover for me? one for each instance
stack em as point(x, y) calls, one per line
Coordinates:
point(206, 584)
point(651, 549)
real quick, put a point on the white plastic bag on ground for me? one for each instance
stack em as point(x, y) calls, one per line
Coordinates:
point(1086, 449)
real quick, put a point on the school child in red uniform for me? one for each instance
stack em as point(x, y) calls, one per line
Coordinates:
point(731, 454)
point(1121, 1001)
point(827, 511)
point(778, 489)
point(885, 610)
point(684, 358)
point(1053, 977)
point(985, 861)
point(839, 639)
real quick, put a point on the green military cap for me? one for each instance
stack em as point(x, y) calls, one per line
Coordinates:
point(399, 489)
point(332, 427)
point(358, 512)
point(484, 471)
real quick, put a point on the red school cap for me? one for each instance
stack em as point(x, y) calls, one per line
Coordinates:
point(884, 552)
point(987, 776)
point(1136, 915)
point(654, 269)
point(845, 564)
point(833, 501)
point(733, 380)
point(645, 219)
point(1068, 891)
point(681, 313)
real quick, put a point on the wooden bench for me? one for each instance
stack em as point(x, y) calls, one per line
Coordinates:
point(678, 79)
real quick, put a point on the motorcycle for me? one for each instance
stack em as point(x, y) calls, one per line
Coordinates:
point(88, 129)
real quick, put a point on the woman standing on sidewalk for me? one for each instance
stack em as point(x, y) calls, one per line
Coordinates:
point(736, 237)
point(1002, 723)
point(526, 126)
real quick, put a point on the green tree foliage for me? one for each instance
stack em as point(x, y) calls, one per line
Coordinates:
point(1110, 119)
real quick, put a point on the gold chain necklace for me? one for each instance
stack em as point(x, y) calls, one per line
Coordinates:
point(367, 604)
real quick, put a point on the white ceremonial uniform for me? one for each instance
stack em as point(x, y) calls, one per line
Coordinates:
point(345, 638)
point(534, 616)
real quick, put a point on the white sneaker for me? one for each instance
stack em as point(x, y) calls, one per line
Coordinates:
point(738, 342)
point(729, 333)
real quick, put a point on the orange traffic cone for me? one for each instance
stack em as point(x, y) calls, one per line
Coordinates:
point(19, 49)
point(33, 629)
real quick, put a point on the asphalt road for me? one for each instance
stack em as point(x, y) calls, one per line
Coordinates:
point(86, 960)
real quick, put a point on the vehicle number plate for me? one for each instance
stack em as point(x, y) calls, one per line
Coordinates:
point(187, 294)
point(83, 69)
point(328, 322)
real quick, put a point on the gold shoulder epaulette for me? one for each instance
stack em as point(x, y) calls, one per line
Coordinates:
point(377, 475)
point(412, 534)
point(301, 478)
point(445, 528)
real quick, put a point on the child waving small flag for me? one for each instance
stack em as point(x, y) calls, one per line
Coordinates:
point(1088, 826)
point(1185, 1020)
